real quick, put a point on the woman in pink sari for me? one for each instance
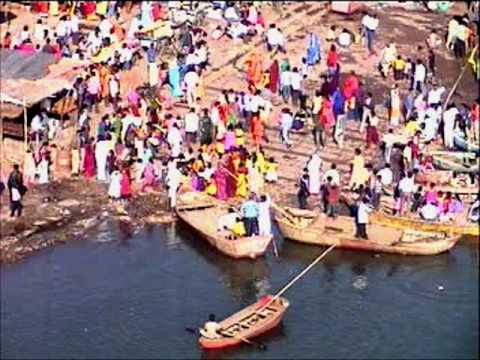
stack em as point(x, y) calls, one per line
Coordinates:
point(229, 140)
point(89, 160)
point(148, 175)
point(220, 178)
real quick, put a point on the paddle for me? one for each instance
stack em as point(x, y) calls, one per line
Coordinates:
point(260, 346)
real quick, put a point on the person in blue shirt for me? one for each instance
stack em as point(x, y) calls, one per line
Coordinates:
point(249, 211)
point(152, 53)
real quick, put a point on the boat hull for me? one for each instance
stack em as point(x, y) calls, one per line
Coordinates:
point(456, 161)
point(201, 220)
point(264, 325)
point(340, 232)
point(404, 223)
point(460, 143)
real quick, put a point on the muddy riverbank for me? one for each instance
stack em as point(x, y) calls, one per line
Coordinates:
point(71, 210)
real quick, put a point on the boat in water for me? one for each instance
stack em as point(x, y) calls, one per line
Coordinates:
point(254, 320)
point(458, 161)
point(417, 224)
point(202, 212)
point(316, 229)
point(463, 144)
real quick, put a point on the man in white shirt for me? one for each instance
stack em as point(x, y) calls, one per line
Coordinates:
point(62, 30)
point(191, 80)
point(370, 25)
point(126, 57)
point(435, 96)
point(363, 211)
point(173, 179)
point(231, 14)
point(105, 27)
point(386, 175)
point(286, 121)
point(114, 90)
point(449, 117)
point(419, 77)
point(296, 84)
point(429, 131)
point(275, 39)
point(389, 141)
point(256, 101)
point(211, 329)
point(429, 212)
point(174, 139)
point(333, 174)
point(38, 126)
point(192, 122)
point(406, 186)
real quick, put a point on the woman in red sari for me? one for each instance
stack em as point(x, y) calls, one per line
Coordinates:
point(125, 185)
point(89, 160)
point(231, 180)
point(274, 77)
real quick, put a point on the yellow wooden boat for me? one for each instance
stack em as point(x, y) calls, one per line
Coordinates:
point(417, 224)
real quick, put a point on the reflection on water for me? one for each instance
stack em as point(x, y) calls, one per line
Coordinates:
point(134, 295)
point(246, 279)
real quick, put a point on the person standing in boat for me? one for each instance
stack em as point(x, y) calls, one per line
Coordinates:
point(250, 216)
point(363, 211)
point(264, 219)
point(211, 328)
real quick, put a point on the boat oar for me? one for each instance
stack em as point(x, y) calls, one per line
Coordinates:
point(260, 346)
point(275, 250)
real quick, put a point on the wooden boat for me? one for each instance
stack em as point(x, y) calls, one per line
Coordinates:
point(248, 323)
point(201, 212)
point(417, 224)
point(456, 161)
point(463, 144)
point(320, 230)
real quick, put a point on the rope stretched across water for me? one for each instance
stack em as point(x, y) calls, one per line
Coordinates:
point(296, 278)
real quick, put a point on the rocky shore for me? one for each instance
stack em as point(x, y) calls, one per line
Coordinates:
point(71, 210)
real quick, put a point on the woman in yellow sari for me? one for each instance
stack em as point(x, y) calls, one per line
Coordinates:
point(242, 188)
point(239, 136)
point(358, 170)
point(260, 164)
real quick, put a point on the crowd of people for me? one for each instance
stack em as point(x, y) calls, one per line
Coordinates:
point(141, 143)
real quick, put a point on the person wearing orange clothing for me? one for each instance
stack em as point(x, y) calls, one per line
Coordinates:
point(258, 129)
point(326, 120)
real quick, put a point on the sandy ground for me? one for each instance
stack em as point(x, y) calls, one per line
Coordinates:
point(72, 206)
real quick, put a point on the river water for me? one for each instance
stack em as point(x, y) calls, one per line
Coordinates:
point(131, 295)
